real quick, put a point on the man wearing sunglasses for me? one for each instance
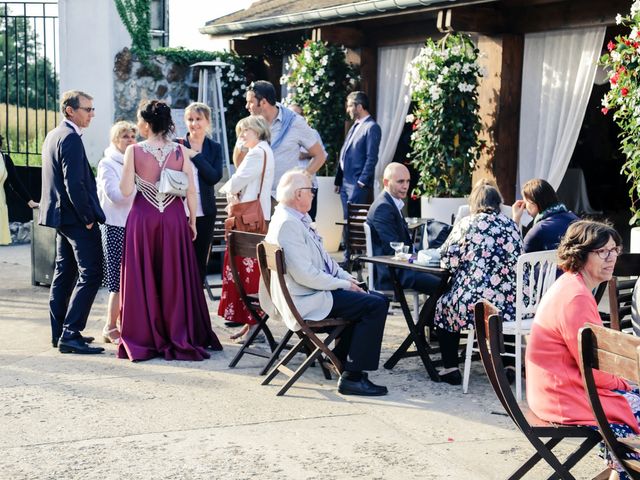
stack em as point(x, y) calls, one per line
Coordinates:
point(70, 204)
point(321, 289)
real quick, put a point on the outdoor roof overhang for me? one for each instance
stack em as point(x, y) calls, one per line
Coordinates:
point(330, 15)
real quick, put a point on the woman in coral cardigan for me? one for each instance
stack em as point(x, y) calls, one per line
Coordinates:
point(587, 253)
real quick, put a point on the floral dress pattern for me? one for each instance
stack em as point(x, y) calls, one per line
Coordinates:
point(231, 306)
point(481, 253)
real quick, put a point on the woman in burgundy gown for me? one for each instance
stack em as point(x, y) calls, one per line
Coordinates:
point(164, 312)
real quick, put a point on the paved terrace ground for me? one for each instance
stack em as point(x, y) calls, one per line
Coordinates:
point(85, 417)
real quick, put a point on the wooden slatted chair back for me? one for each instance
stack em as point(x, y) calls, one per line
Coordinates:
point(356, 216)
point(617, 353)
point(620, 290)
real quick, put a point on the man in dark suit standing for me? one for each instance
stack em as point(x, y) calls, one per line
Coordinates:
point(358, 156)
point(388, 225)
point(69, 203)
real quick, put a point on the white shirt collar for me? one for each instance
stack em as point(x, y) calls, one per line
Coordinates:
point(362, 120)
point(74, 126)
point(399, 203)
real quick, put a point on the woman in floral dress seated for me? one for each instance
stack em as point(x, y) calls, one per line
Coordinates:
point(481, 254)
point(164, 312)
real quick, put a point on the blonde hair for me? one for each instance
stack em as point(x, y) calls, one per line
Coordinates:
point(119, 128)
point(201, 109)
point(258, 124)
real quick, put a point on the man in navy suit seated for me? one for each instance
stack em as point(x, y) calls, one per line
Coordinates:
point(388, 225)
point(70, 204)
point(358, 156)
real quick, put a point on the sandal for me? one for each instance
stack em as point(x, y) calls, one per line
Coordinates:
point(241, 333)
point(107, 335)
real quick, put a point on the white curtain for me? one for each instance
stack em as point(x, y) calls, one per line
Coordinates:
point(558, 73)
point(392, 101)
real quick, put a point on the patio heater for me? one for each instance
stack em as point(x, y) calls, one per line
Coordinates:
point(210, 93)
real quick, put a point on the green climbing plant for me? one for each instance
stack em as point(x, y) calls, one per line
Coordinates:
point(136, 17)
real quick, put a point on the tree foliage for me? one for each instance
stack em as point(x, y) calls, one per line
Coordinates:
point(32, 80)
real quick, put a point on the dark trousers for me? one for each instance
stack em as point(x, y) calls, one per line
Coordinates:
point(354, 194)
point(202, 243)
point(449, 346)
point(76, 279)
point(359, 345)
point(425, 282)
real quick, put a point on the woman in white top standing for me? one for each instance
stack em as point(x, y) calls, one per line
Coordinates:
point(116, 209)
point(244, 186)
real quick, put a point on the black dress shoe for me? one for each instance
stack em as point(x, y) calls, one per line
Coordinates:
point(77, 345)
point(360, 387)
point(452, 378)
point(54, 341)
point(234, 324)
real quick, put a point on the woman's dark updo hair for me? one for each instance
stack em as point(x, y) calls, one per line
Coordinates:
point(158, 115)
point(582, 237)
point(541, 193)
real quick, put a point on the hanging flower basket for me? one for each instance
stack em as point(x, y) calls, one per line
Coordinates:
point(445, 141)
point(623, 64)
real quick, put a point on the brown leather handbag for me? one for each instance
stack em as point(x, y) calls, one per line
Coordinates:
point(248, 216)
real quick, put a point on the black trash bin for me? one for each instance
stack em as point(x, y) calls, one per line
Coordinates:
point(43, 252)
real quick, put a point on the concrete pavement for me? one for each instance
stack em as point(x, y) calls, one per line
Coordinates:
point(85, 417)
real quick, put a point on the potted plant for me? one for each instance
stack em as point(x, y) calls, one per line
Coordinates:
point(445, 142)
point(622, 61)
point(319, 80)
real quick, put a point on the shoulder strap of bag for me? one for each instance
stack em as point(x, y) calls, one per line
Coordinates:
point(264, 166)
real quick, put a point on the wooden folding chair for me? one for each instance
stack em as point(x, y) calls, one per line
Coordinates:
point(621, 290)
point(218, 245)
point(272, 260)
point(355, 237)
point(617, 353)
point(491, 345)
point(243, 244)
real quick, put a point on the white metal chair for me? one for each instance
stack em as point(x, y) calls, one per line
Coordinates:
point(535, 273)
point(371, 283)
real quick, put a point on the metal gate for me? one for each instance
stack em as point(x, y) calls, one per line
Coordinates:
point(28, 77)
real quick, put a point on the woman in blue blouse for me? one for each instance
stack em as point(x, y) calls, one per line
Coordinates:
point(481, 254)
point(550, 217)
point(207, 170)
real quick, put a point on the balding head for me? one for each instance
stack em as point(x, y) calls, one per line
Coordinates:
point(396, 180)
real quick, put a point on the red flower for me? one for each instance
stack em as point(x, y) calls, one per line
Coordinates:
point(624, 91)
point(414, 127)
point(604, 110)
point(614, 79)
point(308, 42)
point(414, 196)
point(636, 44)
point(627, 43)
point(622, 70)
point(611, 45)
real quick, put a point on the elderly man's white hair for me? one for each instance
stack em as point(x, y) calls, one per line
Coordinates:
point(291, 181)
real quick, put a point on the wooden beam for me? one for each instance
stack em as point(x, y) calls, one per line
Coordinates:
point(347, 36)
point(249, 46)
point(369, 75)
point(563, 15)
point(507, 132)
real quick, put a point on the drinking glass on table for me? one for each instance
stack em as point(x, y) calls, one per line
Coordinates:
point(397, 247)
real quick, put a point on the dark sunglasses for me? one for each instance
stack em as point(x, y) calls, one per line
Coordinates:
point(314, 190)
point(87, 109)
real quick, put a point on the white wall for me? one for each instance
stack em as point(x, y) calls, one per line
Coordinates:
point(91, 33)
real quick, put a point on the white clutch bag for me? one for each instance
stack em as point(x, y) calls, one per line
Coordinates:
point(428, 258)
point(173, 182)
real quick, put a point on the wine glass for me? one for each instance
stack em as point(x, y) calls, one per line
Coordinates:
point(397, 247)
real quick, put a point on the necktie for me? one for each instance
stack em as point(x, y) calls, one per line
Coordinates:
point(346, 143)
point(330, 265)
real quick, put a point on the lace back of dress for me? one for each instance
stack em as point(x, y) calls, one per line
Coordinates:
point(148, 165)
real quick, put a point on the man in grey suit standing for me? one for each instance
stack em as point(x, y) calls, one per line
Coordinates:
point(69, 203)
point(358, 156)
point(321, 289)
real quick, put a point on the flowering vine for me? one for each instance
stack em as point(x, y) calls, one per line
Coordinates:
point(319, 80)
point(623, 64)
point(445, 143)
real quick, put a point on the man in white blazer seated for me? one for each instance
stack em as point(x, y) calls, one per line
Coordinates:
point(321, 289)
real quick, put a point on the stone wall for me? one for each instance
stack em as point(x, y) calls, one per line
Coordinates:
point(160, 79)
